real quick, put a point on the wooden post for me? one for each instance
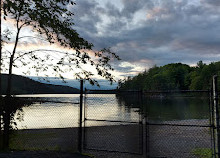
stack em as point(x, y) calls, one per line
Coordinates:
point(216, 118)
point(80, 118)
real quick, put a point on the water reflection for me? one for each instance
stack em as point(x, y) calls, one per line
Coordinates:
point(54, 114)
point(107, 107)
point(50, 111)
point(48, 115)
point(170, 108)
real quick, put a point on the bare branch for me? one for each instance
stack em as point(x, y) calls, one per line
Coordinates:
point(42, 39)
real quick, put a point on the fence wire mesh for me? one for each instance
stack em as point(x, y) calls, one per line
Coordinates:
point(142, 124)
point(49, 123)
point(179, 125)
point(179, 141)
point(112, 126)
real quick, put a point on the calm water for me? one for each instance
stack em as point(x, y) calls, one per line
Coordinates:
point(54, 114)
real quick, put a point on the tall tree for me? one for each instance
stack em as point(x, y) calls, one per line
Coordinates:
point(53, 21)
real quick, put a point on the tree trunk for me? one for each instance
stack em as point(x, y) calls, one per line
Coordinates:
point(1, 104)
point(8, 103)
point(6, 120)
point(8, 93)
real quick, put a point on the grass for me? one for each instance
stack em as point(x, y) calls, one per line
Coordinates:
point(25, 141)
point(202, 152)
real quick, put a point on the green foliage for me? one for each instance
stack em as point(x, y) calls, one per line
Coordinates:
point(175, 76)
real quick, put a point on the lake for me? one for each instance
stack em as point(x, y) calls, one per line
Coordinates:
point(62, 110)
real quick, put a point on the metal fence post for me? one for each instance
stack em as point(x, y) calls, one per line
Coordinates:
point(216, 117)
point(211, 123)
point(80, 118)
point(84, 119)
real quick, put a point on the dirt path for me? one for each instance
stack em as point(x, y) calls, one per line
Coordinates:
point(164, 141)
point(41, 154)
point(120, 138)
point(178, 141)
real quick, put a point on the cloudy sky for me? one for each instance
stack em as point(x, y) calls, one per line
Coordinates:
point(145, 33)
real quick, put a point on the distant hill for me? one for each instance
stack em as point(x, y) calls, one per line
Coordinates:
point(24, 85)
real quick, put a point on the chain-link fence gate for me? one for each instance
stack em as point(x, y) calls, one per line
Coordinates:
point(183, 128)
point(156, 124)
point(110, 125)
point(192, 131)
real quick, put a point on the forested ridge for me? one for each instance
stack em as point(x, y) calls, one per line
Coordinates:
point(174, 76)
point(25, 85)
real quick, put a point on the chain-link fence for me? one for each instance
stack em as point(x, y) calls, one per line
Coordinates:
point(49, 123)
point(138, 124)
point(179, 124)
point(153, 124)
point(110, 125)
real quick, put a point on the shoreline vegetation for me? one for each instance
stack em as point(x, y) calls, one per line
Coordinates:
point(174, 76)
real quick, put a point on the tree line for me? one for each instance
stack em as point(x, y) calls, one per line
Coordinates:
point(174, 76)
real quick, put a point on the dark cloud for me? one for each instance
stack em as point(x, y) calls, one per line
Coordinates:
point(212, 2)
point(124, 69)
point(159, 32)
point(87, 15)
point(131, 7)
point(112, 10)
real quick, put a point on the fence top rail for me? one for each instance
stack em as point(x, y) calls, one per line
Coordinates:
point(143, 91)
point(98, 90)
point(176, 91)
point(92, 91)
